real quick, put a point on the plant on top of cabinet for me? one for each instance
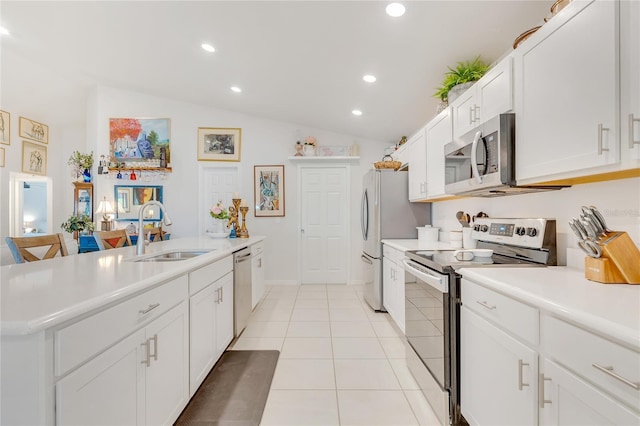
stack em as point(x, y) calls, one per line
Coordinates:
point(80, 162)
point(464, 72)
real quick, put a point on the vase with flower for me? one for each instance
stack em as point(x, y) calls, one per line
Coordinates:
point(220, 215)
point(310, 144)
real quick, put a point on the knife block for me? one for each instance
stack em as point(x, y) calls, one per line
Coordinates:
point(619, 263)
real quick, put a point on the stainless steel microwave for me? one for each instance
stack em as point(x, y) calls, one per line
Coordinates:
point(482, 162)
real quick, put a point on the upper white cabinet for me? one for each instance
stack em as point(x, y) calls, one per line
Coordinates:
point(567, 93)
point(490, 96)
point(439, 132)
point(630, 83)
point(417, 159)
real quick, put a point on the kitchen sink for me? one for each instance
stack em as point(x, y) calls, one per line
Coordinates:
point(172, 256)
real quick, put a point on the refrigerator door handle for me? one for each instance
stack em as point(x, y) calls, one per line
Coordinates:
point(364, 215)
point(366, 259)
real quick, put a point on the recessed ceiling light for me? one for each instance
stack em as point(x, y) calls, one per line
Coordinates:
point(4, 31)
point(236, 89)
point(208, 47)
point(369, 78)
point(356, 112)
point(395, 9)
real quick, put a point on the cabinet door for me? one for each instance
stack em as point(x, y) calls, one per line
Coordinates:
point(167, 375)
point(108, 390)
point(387, 285)
point(498, 374)
point(630, 81)
point(257, 280)
point(567, 94)
point(83, 199)
point(224, 314)
point(398, 296)
point(464, 112)
point(202, 335)
point(572, 401)
point(417, 167)
point(439, 132)
point(495, 91)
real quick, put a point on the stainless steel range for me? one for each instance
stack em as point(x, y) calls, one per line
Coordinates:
point(432, 302)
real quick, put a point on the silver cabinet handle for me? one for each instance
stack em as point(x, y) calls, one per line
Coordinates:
point(541, 380)
point(260, 263)
point(612, 373)
point(149, 309)
point(221, 294)
point(486, 305)
point(471, 109)
point(632, 121)
point(155, 347)
point(147, 358)
point(521, 364)
point(476, 113)
point(601, 129)
point(218, 295)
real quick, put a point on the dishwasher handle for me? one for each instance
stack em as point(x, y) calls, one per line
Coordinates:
point(241, 259)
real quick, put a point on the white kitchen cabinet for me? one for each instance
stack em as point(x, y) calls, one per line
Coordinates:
point(497, 374)
point(630, 83)
point(438, 133)
point(488, 97)
point(567, 94)
point(141, 380)
point(393, 280)
point(257, 273)
point(417, 159)
point(211, 331)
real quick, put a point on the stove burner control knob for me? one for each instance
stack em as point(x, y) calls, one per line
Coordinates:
point(476, 228)
point(532, 232)
point(484, 228)
point(520, 231)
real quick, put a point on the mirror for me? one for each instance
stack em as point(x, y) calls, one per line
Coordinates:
point(129, 199)
point(30, 210)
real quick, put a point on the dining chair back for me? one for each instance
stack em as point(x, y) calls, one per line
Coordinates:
point(154, 234)
point(106, 240)
point(22, 247)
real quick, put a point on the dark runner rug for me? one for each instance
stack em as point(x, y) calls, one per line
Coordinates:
point(235, 391)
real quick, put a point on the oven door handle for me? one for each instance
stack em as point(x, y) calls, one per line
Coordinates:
point(474, 156)
point(439, 282)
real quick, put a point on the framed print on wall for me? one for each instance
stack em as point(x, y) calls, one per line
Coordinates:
point(34, 158)
point(140, 140)
point(219, 144)
point(268, 191)
point(1, 157)
point(33, 130)
point(5, 128)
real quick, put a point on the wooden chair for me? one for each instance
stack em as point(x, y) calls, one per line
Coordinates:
point(154, 234)
point(112, 239)
point(19, 245)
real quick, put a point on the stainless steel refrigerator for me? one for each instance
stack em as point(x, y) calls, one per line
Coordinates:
point(386, 213)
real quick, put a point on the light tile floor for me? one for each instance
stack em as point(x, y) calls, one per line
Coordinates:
point(340, 362)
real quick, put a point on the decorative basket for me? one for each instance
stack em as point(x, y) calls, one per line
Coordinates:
point(387, 163)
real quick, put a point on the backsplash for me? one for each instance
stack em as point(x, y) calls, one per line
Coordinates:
point(618, 200)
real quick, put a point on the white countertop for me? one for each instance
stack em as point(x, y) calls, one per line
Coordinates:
point(39, 295)
point(611, 310)
point(405, 245)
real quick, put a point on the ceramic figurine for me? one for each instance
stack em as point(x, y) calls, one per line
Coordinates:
point(299, 148)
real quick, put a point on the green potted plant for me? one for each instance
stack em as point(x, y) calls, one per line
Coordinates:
point(77, 224)
point(81, 164)
point(464, 72)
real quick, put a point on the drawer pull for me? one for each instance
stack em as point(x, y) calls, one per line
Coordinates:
point(147, 357)
point(149, 309)
point(610, 372)
point(541, 380)
point(155, 347)
point(521, 364)
point(601, 129)
point(486, 305)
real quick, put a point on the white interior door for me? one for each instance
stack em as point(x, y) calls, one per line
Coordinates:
point(323, 224)
point(217, 184)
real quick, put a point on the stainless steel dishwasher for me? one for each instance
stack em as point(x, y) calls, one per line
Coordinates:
point(241, 289)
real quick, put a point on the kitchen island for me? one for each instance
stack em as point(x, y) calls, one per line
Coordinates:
point(66, 321)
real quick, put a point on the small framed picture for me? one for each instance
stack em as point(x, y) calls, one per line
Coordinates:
point(219, 144)
point(33, 130)
point(34, 158)
point(1, 157)
point(268, 191)
point(5, 128)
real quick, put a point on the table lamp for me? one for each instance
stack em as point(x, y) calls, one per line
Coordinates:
point(106, 209)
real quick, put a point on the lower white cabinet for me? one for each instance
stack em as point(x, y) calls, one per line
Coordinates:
point(257, 274)
point(498, 383)
point(211, 331)
point(141, 380)
point(393, 279)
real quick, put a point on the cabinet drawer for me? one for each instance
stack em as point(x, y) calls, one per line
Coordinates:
point(257, 248)
point(392, 254)
point(200, 278)
point(581, 351)
point(80, 341)
point(511, 315)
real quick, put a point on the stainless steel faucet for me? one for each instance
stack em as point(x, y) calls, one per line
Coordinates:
point(142, 241)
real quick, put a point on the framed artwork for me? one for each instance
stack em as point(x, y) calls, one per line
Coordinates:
point(5, 128)
point(34, 158)
point(33, 130)
point(123, 199)
point(130, 198)
point(1, 157)
point(219, 144)
point(140, 140)
point(268, 191)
